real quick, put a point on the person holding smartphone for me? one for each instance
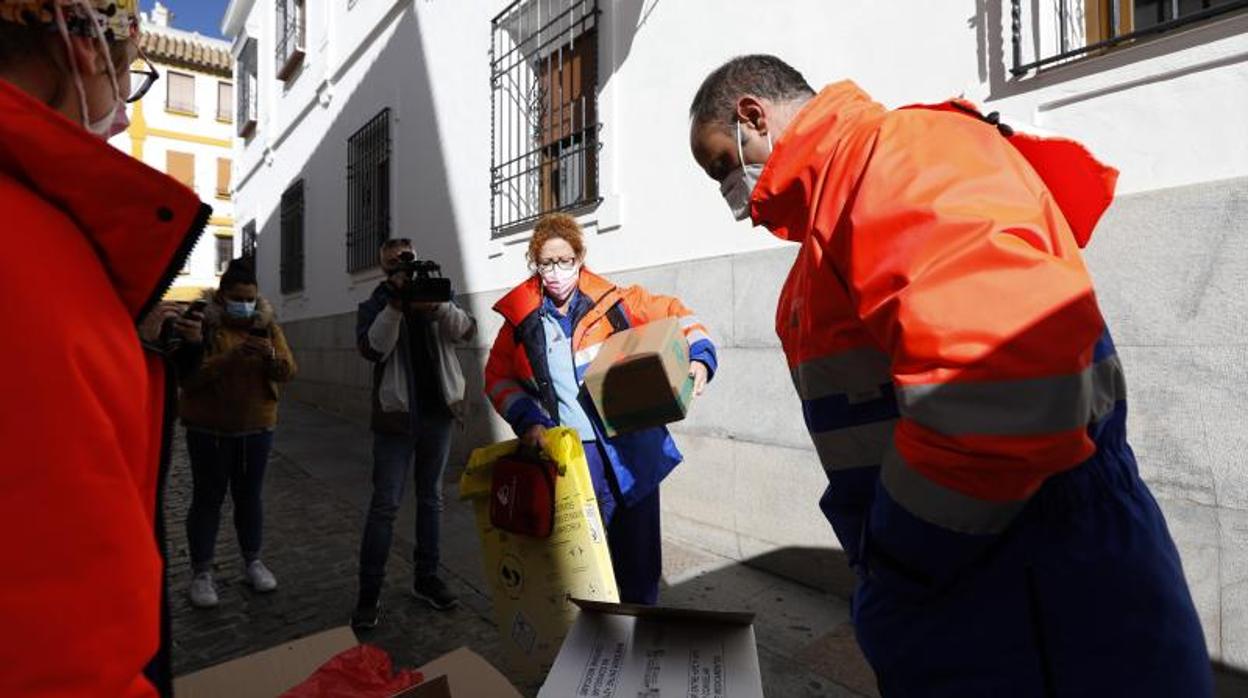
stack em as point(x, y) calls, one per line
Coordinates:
point(229, 408)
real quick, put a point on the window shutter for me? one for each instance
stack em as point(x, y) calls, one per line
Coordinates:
point(223, 176)
point(225, 101)
point(181, 92)
point(181, 166)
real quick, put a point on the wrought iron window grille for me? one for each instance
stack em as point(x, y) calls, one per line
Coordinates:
point(544, 129)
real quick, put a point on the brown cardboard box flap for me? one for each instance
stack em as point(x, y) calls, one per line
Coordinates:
point(691, 614)
point(267, 673)
point(468, 675)
point(271, 672)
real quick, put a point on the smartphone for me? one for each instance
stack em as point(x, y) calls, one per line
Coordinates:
point(196, 307)
point(262, 332)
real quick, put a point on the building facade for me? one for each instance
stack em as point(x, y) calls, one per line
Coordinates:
point(456, 123)
point(184, 126)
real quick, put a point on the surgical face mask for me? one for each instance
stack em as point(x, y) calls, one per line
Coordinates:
point(106, 126)
point(111, 125)
point(739, 185)
point(560, 283)
point(240, 310)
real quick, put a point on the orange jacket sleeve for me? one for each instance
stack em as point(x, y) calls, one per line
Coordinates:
point(962, 268)
point(505, 387)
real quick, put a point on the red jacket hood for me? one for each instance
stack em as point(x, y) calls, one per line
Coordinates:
point(141, 222)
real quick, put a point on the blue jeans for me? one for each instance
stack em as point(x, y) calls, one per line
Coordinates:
point(393, 457)
point(219, 464)
point(634, 535)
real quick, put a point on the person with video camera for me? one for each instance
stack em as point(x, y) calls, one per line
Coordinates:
point(229, 409)
point(409, 329)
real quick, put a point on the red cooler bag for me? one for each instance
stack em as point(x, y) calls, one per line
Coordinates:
point(522, 496)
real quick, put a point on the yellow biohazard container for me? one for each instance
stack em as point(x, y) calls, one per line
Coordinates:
point(531, 579)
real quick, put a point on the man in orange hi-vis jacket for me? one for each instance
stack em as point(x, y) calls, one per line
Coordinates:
point(961, 389)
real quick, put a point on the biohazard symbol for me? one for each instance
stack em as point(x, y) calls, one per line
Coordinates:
point(511, 575)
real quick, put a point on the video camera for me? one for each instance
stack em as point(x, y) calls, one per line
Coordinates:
point(425, 283)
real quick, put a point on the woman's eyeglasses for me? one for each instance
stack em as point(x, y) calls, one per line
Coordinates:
point(142, 80)
point(563, 263)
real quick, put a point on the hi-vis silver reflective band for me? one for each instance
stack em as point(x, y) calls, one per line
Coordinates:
point(587, 355)
point(853, 447)
point(496, 391)
point(940, 505)
point(518, 393)
point(1020, 407)
point(854, 373)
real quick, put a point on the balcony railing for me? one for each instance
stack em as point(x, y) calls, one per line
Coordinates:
point(1074, 29)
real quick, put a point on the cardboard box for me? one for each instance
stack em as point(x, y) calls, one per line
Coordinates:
point(624, 650)
point(269, 673)
point(532, 579)
point(640, 378)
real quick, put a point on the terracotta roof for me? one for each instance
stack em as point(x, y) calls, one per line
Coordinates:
point(187, 50)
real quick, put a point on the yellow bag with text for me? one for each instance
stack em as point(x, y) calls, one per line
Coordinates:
point(531, 579)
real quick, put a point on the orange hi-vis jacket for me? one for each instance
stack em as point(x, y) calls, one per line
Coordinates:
point(957, 379)
point(519, 385)
point(92, 239)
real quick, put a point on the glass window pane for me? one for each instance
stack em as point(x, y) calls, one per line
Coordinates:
point(181, 92)
point(225, 101)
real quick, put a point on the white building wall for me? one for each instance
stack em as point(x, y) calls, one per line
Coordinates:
point(1162, 116)
point(160, 135)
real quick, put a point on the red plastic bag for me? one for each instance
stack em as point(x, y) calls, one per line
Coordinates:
point(364, 671)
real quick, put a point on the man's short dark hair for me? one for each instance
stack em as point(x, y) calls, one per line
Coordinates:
point(239, 271)
point(758, 75)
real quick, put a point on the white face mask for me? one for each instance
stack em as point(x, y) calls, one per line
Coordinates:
point(115, 121)
point(739, 185)
point(108, 126)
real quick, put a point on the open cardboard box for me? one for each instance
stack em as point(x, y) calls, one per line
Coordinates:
point(268, 673)
point(626, 650)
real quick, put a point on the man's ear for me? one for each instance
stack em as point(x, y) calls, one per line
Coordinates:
point(751, 111)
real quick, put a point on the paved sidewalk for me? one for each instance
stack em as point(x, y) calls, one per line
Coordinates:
point(317, 489)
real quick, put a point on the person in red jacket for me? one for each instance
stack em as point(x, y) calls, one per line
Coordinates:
point(92, 240)
point(961, 389)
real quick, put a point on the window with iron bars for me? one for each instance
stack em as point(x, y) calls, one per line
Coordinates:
point(246, 101)
point(544, 111)
point(292, 238)
point(1067, 30)
point(368, 192)
point(249, 241)
point(291, 31)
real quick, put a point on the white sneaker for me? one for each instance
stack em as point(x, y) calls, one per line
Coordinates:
point(203, 591)
point(260, 577)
